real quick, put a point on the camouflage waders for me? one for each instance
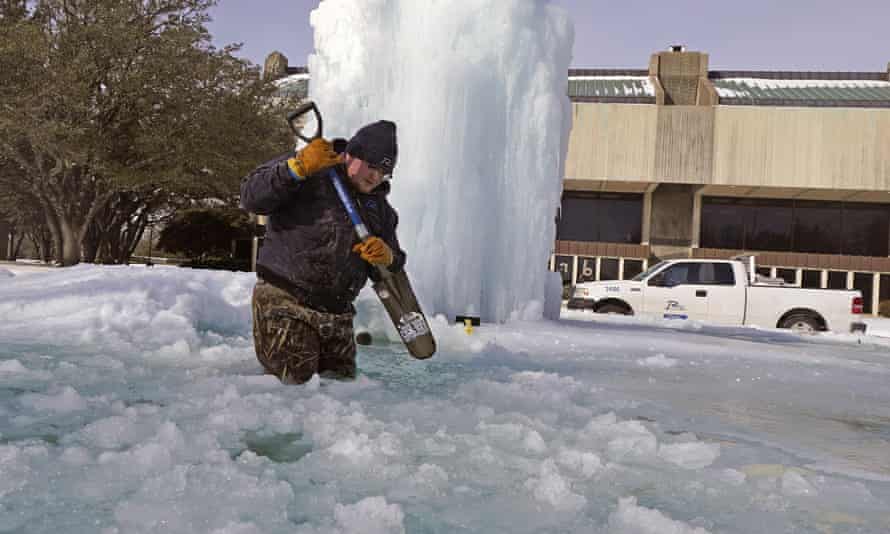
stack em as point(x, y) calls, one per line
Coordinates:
point(294, 342)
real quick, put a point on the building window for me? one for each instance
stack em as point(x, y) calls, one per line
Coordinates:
point(609, 269)
point(600, 217)
point(632, 268)
point(817, 227)
point(837, 280)
point(856, 229)
point(866, 230)
point(788, 275)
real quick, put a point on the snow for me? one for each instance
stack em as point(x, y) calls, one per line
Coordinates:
point(878, 326)
point(131, 401)
point(478, 91)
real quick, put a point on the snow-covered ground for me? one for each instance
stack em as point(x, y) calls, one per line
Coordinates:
point(131, 401)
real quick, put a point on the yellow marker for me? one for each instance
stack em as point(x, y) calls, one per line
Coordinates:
point(468, 326)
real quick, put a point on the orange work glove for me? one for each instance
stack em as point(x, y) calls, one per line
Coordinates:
point(375, 251)
point(316, 156)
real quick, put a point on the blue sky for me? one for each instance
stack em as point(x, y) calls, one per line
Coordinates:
point(745, 35)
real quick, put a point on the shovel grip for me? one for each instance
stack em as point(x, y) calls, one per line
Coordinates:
point(299, 112)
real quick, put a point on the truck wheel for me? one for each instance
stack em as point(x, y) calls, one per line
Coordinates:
point(613, 308)
point(801, 323)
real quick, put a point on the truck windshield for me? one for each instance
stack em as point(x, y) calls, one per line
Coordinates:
point(640, 277)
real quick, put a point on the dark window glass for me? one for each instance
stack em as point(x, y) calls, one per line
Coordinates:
point(609, 269)
point(577, 220)
point(711, 274)
point(764, 271)
point(564, 268)
point(620, 219)
point(679, 274)
point(586, 270)
point(812, 279)
point(866, 229)
point(706, 273)
point(817, 227)
point(837, 280)
point(611, 218)
point(796, 226)
point(722, 225)
point(723, 274)
point(865, 282)
point(769, 227)
point(788, 275)
point(632, 268)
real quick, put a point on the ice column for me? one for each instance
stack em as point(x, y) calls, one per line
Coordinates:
point(478, 91)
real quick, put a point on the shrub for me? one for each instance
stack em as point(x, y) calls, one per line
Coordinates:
point(199, 233)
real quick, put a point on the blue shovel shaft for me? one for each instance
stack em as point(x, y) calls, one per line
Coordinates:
point(360, 229)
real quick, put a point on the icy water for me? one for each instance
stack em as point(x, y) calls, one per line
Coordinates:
point(716, 436)
point(135, 404)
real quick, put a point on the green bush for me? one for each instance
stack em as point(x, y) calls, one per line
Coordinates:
point(201, 233)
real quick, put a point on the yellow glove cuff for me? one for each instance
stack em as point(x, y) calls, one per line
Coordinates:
point(296, 168)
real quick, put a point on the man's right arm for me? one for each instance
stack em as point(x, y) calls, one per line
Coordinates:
point(273, 183)
point(269, 186)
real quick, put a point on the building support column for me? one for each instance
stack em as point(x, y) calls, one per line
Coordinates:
point(696, 217)
point(876, 295)
point(574, 270)
point(647, 214)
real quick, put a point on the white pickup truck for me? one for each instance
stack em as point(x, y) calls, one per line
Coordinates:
point(727, 292)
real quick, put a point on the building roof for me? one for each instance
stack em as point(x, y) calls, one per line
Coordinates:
point(806, 89)
point(759, 88)
point(631, 86)
point(296, 84)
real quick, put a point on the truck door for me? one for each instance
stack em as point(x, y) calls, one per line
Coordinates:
point(726, 293)
point(675, 293)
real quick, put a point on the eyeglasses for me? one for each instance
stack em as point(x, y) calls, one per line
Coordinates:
point(385, 173)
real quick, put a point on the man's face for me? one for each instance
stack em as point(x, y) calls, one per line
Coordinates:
point(362, 177)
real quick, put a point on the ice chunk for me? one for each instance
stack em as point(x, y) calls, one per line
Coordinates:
point(630, 518)
point(794, 484)
point(12, 367)
point(65, 401)
point(552, 488)
point(372, 515)
point(693, 455)
point(658, 361)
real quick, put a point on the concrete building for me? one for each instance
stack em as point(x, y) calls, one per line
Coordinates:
point(680, 161)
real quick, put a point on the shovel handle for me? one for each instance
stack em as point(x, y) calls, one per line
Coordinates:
point(299, 112)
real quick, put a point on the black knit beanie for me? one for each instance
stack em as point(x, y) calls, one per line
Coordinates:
point(376, 144)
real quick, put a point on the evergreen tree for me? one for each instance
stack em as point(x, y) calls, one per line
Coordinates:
point(110, 104)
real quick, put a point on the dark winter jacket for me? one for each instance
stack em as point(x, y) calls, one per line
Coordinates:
point(309, 237)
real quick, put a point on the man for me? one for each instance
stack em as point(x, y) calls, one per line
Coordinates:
point(311, 266)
